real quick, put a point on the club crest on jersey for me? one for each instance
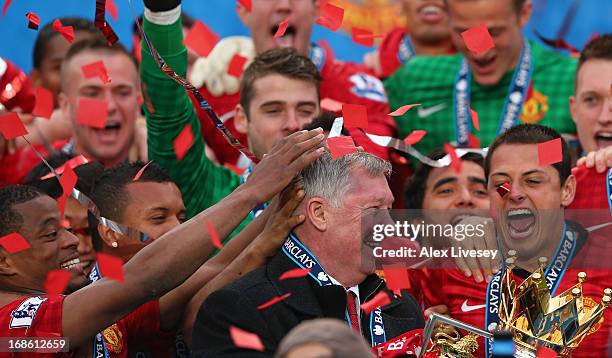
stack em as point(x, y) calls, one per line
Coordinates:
point(370, 87)
point(113, 338)
point(23, 315)
point(535, 108)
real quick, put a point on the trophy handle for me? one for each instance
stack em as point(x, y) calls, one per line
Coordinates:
point(431, 324)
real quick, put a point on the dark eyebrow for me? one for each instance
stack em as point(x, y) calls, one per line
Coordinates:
point(271, 103)
point(478, 180)
point(443, 181)
point(534, 171)
point(47, 221)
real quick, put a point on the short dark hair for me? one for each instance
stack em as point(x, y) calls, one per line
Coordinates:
point(417, 183)
point(47, 33)
point(325, 121)
point(600, 48)
point(286, 62)
point(86, 173)
point(110, 195)
point(532, 134)
point(11, 220)
point(517, 4)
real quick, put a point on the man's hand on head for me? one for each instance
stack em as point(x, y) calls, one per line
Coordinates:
point(286, 159)
point(600, 159)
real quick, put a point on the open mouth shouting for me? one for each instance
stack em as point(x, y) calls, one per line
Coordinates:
point(431, 13)
point(603, 139)
point(521, 223)
point(288, 38)
point(110, 133)
point(73, 265)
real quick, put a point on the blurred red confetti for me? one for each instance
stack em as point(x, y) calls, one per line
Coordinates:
point(139, 174)
point(477, 39)
point(66, 31)
point(282, 27)
point(44, 103)
point(455, 161)
point(355, 116)
point(201, 39)
point(295, 273)
point(550, 152)
point(415, 137)
point(273, 301)
point(331, 17)
point(14, 243)
point(68, 180)
point(474, 116)
point(56, 282)
point(111, 8)
point(183, 142)
point(331, 105)
point(381, 299)
point(503, 189)
point(402, 110)
point(396, 278)
point(33, 20)
point(246, 340)
point(11, 126)
point(363, 37)
point(92, 112)
point(236, 66)
point(214, 237)
point(341, 146)
point(96, 69)
point(110, 267)
point(7, 3)
point(246, 4)
point(473, 141)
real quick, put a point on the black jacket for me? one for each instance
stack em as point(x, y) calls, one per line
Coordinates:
point(235, 305)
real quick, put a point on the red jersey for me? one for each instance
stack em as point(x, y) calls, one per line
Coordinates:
point(41, 316)
point(591, 189)
point(467, 299)
point(14, 167)
point(342, 81)
point(16, 93)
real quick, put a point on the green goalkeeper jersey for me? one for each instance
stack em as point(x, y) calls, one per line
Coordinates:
point(432, 82)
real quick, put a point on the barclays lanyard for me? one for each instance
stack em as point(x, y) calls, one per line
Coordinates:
point(609, 189)
point(517, 94)
point(553, 274)
point(302, 257)
point(99, 347)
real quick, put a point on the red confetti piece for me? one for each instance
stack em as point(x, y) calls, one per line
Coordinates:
point(550, 152)
point(201, 39)
point(246, 4)
point(236, 66)
point(111, 267)
point(545, 352)
point(415, 137)
point(341, 146)
point(33, 20)
point(503, 189)
point(139, 174)
point(108, 32)
point(7, 3)
point(282, 27)
point(96, 69)
point(273, 301)
point(396, 278)
point(44, 103)
point(72, 163)
point(92, 112)
point(14, 243)
point(11, 126)
point(355, 116)
point(56, 282)
point(214, 237)
point(295, 273)
point(473, 141)
point(331, 105)
point(402, 110)
point(474, 116)
point(111, 8)
point(68, 180)
point(66, 31)
point(246, 340)
point(363, 37)
point(331, 17)
point(381, 299)
point(477, 39)
point(455, 161)
point(183, 142)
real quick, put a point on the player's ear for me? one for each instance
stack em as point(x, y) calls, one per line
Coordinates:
point(568, 191)
point(241, 120)
point(315, 211)
point(110, 238)
point(6, 264)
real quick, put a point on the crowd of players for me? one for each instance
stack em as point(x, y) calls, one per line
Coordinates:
point(299, 206)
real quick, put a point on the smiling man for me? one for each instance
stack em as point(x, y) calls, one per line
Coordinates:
point(109, 145)
point(517, 81)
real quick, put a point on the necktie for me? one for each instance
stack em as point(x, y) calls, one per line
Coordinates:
point(351, 307)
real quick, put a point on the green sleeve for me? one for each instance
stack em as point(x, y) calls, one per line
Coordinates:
point(202, 183)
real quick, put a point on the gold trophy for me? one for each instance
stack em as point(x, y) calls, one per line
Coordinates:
point(529, 312)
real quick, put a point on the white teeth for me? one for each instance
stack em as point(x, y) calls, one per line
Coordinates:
point(516, 212)
point(606, 135)
point(70, 263)
point(431, 9)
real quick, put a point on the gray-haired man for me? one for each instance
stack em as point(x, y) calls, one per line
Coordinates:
point(328, 243)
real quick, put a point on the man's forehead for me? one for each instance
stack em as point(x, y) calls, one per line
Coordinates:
point(595, 74)
point(37, 211)
point(153, 194)
point(278, 88)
